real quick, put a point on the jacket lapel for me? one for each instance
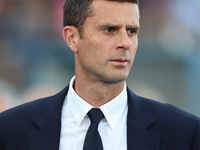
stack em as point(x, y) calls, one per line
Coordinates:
point(48, 122)
point(139, 120)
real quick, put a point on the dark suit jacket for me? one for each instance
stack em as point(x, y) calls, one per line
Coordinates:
point(150, 125)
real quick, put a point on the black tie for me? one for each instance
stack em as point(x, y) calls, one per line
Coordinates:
point(93, 139)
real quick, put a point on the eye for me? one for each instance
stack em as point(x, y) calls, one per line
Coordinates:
point(132, 31)
point(110, 30)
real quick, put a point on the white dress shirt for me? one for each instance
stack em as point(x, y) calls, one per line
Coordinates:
point(75, 122)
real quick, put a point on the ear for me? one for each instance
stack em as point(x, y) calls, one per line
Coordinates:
point(71, 37)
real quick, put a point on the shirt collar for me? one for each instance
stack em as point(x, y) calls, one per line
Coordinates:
point(111, 110)
point(78, 106)
point(114, 109)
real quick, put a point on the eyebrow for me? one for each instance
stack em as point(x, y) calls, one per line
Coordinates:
point(136, 27)
point(110, 25)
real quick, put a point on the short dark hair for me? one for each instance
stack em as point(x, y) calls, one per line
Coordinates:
point(76, 11)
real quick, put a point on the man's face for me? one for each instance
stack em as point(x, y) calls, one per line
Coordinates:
point(109, 43)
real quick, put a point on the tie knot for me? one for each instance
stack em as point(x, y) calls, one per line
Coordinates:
point(95, 115)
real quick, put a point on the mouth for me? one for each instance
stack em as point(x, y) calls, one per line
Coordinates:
point(120, 61)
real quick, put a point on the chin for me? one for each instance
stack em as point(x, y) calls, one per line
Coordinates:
point(116, 79)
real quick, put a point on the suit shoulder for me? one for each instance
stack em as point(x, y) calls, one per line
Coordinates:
point(28, 110)
point(174, 123)
point(23, 110)
point(168, 111)
point(158, 109)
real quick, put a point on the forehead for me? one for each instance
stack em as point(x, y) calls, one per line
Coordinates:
point(107, 3)
point(115, 11)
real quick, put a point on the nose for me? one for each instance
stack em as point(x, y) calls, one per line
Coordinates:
point(124, 41)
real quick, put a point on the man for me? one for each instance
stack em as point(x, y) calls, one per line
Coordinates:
point(103, 36)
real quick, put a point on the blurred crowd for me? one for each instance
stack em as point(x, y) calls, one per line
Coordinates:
point(171, 24)
point(34, 59)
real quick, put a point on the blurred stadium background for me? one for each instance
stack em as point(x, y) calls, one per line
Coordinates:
point(35, 62)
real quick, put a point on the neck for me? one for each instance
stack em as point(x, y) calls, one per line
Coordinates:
point(97, 93)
